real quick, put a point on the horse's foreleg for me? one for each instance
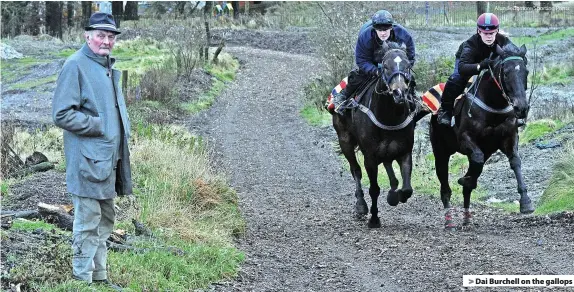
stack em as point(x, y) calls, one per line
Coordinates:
point(371, 167)
point(511, 152)
point(348, 150)
point(406, 165)
point(392, 195)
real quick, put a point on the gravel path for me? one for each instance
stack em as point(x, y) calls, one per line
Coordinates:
point(301, 232)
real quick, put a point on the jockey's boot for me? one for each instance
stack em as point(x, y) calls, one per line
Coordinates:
point(520, 123)
point(451, 91)
point(339, 101)
point(444, 114)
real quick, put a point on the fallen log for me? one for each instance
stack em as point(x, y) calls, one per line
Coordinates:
point(57, 215)
point(26, 214)
point(44, 166)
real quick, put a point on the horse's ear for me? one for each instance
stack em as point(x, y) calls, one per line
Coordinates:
point(522, 51)
point(403, 46)
point(385, 46)
point(499, 50)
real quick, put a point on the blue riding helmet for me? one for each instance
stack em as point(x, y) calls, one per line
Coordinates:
point(382, 19)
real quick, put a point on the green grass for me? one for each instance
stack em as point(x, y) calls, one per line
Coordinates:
point(559, 196)
point(223, 71)
point(160, 270)
point(5, 188)
point(34, 83)
point(537, 129)
point(315, 116)
point(556, 74)
point(28, 225)
point(14, 69)
point(544, 38)
point(205, 100)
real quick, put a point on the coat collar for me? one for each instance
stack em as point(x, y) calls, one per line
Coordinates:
point(97, 58)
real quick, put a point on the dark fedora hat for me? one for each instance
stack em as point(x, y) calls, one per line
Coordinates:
point(103, 21)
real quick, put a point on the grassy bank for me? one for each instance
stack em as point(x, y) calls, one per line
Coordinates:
point(559, 196)
point(188, 206)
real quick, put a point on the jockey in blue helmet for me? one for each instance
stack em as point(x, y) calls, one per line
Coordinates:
point(380, 28)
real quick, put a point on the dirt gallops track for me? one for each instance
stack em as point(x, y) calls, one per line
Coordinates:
point(301, 232)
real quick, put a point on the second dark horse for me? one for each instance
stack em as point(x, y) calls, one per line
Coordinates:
point(382, 126)
point(487, 123)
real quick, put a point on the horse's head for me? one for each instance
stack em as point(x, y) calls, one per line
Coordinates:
point(396, 71)
point(511, 76)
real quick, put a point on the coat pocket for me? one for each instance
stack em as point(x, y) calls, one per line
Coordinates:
point(96, 161)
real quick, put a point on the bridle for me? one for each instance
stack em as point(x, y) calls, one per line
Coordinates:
point(498, 79)
point(386, 81)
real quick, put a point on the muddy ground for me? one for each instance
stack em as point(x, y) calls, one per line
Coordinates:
point(297, 199)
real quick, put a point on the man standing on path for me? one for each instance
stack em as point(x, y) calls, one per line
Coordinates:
point(89, 105)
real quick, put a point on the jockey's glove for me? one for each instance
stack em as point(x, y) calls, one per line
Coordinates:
point(485, 63)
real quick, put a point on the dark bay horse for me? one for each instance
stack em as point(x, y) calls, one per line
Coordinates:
point(382, 126)
point(486, 123)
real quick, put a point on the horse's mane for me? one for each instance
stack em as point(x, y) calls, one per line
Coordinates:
point(511, 49)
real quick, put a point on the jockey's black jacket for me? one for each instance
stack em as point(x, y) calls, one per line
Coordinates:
point(474, 50)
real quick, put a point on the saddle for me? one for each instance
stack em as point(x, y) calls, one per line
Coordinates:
point(366, 88)
point(432, 98)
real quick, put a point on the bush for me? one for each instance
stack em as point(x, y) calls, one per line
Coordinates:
point(157, 84)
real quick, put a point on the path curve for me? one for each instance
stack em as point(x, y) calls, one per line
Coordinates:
point(297, 200)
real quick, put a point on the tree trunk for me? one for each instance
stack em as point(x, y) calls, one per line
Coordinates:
point(206, 16)
point(235, 5)
point(118, 12)
point(219, 48)
point(70, 13)
point(86, 13)
point(54, 18)
point(480, 7)
point(180, 9)
point(131, 11)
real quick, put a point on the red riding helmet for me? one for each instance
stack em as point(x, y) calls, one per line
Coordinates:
point(487, 22)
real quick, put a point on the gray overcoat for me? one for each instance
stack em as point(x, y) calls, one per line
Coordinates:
point(89, 105)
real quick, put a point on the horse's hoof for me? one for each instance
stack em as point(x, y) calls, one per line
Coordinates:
point(375, 222)
point(467, 182)
point(526, 207)
point(450, 227)
point(393, 198)
point(404, 195)
point(361, 207)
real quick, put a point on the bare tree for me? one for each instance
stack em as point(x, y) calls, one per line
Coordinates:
point(118, 12)
point(54, 18)
point(206, 14)
point(180, 8)
point(86, 12)
point(131, 11)
point(481, 7)
point(70, 14)
point(235, 5)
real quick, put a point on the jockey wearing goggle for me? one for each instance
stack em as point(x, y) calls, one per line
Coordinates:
point(380, 28)
point(472, 57)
